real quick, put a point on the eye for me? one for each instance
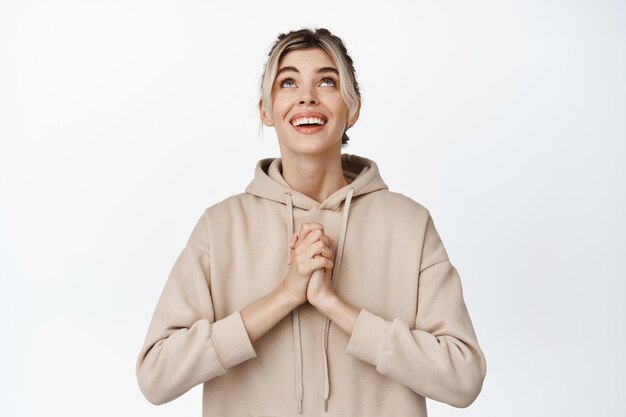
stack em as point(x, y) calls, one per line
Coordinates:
point(330, 80)
point(287, 82)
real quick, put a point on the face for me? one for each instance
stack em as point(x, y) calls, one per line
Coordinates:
point(308, 111)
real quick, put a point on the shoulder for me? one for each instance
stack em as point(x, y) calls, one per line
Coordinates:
point(232, 209)
point(400, 205)
point(234, 202)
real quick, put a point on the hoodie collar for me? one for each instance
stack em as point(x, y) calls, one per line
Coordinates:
point(269, 183)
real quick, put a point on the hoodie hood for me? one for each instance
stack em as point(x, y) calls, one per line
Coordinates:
point(268, 183)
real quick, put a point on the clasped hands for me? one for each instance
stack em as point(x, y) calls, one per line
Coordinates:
point(310, 251)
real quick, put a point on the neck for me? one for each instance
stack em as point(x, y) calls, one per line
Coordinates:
point(316, 176)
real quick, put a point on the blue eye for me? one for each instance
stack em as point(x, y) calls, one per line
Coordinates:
point(290, 83)
point(287, 80)
point(329, 79)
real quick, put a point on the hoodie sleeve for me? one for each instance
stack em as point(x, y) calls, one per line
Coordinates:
point(439, 359)
point(185, 346)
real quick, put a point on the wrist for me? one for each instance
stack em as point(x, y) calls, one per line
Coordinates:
point(325, 302)
point(288, 298)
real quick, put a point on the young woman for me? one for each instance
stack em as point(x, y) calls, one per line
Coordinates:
point(317, 291)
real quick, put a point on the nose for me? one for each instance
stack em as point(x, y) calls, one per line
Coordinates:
point(311, 100)
point(308, 96)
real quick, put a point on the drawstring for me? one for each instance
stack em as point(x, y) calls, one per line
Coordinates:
point(297, 340)
point(338, 256)
point(295, 317)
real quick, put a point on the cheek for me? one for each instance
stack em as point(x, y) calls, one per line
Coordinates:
point(281, 104)
point(340, 110)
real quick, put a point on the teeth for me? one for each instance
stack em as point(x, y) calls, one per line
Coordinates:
point(307, 120)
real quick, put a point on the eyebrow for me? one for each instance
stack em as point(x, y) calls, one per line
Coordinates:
point(319, 70)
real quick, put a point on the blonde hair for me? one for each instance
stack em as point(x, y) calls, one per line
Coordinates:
point(313, 38)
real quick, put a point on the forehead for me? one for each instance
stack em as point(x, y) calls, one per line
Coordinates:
point(306, 58)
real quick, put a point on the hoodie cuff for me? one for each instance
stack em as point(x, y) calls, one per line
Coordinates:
point(368, 337)
point(231, 340)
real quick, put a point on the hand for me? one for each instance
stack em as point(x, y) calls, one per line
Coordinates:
point(320, 288)
point(309, 251)
point(320, 285)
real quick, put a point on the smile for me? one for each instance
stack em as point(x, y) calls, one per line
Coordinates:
point(308, 129)
point(310, 121)
point(308, 118)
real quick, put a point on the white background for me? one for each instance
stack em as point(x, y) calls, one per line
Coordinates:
point(121, 121)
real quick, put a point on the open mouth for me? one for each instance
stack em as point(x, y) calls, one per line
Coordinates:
point(308, 120)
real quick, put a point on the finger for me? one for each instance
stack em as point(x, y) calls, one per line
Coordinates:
point(328, 251)
point(320, 262)
point(307, 227)
point(311, 238)
point(326, 263)
point(326, 239)
point(292, 245)
point(317, 248)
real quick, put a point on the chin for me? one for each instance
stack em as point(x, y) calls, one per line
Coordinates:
point(311, 146)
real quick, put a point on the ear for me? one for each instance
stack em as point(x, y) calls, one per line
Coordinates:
point(265, 118)
point(354, 118)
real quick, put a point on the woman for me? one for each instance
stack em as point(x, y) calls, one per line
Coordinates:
point(378, 321)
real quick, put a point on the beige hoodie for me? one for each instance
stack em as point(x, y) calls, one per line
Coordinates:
point(413, 337)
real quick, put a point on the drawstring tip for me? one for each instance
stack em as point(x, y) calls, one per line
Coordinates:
point(300, 407)
point(325, 406)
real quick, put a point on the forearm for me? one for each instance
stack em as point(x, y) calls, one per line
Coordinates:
point(263, 314)
point(440, 346)
point(339, 311)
